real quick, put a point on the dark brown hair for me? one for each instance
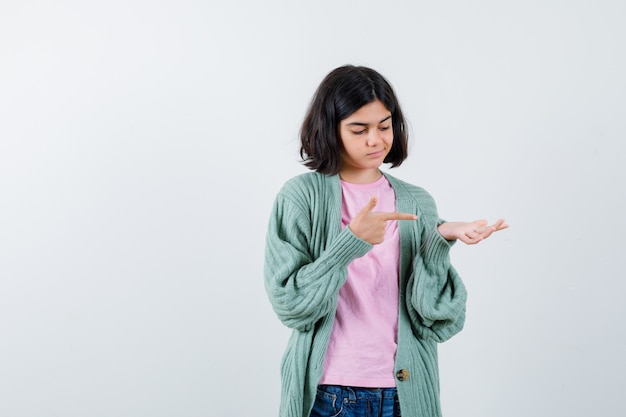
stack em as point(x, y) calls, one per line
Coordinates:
point(342, 92)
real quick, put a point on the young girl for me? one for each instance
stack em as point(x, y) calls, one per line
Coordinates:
point(357, 263)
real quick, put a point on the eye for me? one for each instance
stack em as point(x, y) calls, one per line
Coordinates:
point(359, 132)
point(383, 128)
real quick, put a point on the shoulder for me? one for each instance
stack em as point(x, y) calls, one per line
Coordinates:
point(305, 188)
point(305, 184)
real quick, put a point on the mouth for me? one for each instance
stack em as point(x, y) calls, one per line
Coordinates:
point(376, 154)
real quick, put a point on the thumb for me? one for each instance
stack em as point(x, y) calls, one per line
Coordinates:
point(369, 206)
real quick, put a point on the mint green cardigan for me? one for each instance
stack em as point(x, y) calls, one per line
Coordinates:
point(306, 257)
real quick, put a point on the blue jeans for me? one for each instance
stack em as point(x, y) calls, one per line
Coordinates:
point(339, 401)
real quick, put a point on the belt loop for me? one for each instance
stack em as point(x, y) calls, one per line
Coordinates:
point(351, 394)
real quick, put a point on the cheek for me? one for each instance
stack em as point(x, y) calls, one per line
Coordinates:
point(354, 149)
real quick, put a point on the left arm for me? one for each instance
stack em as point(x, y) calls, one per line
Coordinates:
point(438, 295)
point(435, 294)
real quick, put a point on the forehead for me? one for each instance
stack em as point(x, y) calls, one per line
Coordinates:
point(371, 113)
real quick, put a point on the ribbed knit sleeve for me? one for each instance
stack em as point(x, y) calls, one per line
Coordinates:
point(437, 294)
point(302, 281)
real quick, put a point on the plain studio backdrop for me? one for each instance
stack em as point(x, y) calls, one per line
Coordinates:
point(142, 144)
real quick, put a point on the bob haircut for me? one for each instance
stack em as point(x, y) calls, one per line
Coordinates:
point(342, 92)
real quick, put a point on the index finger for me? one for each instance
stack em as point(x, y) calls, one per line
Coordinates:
point(398, 216)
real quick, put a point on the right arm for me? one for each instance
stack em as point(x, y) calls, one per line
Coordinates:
point(302, 286)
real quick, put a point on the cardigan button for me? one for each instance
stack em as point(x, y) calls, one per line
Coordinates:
point(402, 375)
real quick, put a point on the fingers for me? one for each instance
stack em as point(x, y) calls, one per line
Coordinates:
point(369, 206)
point(474, 236)
point(483, 231)
point(384, 215)
point(500, 224)
point(471, 237)
point(479, 231)
point(488, 230)
point(398, 216)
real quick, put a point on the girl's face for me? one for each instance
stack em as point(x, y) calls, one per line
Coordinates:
point(367, 136)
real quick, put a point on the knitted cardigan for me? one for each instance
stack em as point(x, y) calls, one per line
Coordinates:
point(307, 253)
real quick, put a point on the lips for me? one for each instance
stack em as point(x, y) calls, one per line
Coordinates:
point(376, 154)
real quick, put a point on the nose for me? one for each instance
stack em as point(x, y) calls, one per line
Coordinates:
point(374, 137)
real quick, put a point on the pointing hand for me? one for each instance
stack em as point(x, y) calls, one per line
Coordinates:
point(370, 225)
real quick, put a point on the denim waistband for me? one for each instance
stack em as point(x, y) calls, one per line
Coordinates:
point(357, 393)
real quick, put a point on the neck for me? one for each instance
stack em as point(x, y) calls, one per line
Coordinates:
point(360, 176)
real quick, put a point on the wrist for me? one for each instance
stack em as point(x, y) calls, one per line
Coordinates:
point(446, 230)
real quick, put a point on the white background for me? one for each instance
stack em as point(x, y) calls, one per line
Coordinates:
point(142, 144)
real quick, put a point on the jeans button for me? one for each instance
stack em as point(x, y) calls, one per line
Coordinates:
point(402, 375)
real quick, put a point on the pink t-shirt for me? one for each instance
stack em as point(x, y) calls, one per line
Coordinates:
point(363, 342)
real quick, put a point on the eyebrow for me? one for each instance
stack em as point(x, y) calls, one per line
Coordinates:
point(365, 124)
